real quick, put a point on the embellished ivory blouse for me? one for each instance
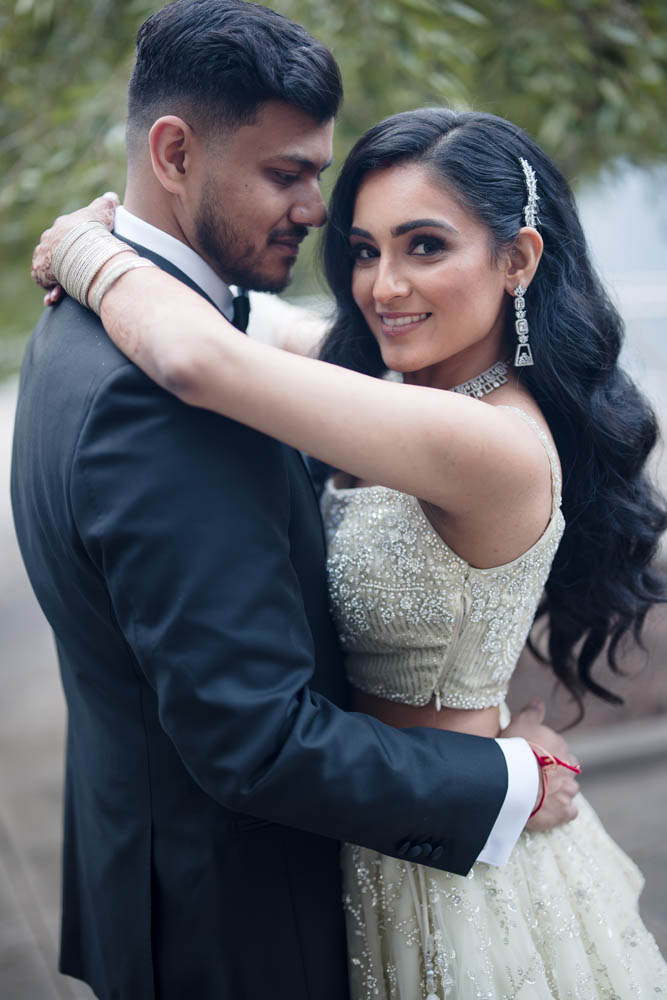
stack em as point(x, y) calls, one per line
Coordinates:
point(415, 620)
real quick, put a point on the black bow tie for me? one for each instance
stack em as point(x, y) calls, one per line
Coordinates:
point(241, 315)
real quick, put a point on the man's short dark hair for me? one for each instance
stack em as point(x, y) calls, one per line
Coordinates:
point(214, 62)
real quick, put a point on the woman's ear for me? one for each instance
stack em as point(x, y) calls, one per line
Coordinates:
point(523, 258)
point(170, 141)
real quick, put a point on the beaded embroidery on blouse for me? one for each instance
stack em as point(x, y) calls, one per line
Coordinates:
point(415, 620)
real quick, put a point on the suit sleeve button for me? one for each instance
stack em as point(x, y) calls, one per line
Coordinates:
point(415, 851)
point(437, 853)
point(403, 848)
point(427, 850)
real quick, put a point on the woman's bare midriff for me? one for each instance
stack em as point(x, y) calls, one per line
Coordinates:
point(478, 721)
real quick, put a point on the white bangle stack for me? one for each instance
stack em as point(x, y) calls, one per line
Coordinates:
point(81, 255)
point(112, 276)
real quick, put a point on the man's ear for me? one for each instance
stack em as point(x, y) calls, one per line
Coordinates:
point(171, 145)
point(523, 258)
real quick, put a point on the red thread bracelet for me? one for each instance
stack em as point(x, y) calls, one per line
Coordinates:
point(548, 760)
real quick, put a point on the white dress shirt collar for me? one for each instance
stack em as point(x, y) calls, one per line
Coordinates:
point(131, 227)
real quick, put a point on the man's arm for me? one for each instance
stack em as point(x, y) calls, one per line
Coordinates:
point(186, 515)
point(522, 789)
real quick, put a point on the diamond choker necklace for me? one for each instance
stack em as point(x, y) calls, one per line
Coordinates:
point(481, 385)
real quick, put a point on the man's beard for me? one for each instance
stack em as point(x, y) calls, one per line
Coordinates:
point(230, 252)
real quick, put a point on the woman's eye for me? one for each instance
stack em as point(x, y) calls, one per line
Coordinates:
point(427, 247)
point(362, 252)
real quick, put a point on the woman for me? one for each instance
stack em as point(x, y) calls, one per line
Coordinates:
point(453, 245)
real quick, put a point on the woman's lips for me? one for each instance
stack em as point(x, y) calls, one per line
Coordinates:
point(396, 324)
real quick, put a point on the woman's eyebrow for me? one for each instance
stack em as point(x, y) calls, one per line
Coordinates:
point(406, 227)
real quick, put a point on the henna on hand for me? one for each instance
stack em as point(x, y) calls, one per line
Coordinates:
point(101, 210)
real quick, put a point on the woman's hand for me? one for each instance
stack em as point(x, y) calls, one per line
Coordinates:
point(101, 210)
point(558, 806)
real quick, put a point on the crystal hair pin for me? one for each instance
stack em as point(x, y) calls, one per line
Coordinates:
point(530, 208)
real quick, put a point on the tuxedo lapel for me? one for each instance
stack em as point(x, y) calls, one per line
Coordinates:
point(175, 272)
point(166, 265)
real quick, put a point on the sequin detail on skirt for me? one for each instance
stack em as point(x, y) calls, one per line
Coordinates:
point(559, 920)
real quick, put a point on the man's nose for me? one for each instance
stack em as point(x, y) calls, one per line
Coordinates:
point(310, 210)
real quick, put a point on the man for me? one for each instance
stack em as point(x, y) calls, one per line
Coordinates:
point(211, 768)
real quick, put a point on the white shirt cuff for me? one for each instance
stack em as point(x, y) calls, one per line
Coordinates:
point(522, 785)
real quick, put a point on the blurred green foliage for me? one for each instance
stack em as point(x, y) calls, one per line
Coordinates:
point(587, 78)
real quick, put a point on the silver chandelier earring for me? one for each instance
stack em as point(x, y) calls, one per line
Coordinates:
point(523, 355)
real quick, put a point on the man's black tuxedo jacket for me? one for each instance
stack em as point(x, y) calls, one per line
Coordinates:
point(211, 770)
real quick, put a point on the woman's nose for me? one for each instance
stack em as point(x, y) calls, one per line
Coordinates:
point(389, 283)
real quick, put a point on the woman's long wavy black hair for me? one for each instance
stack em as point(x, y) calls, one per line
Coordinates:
point(601, 584)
